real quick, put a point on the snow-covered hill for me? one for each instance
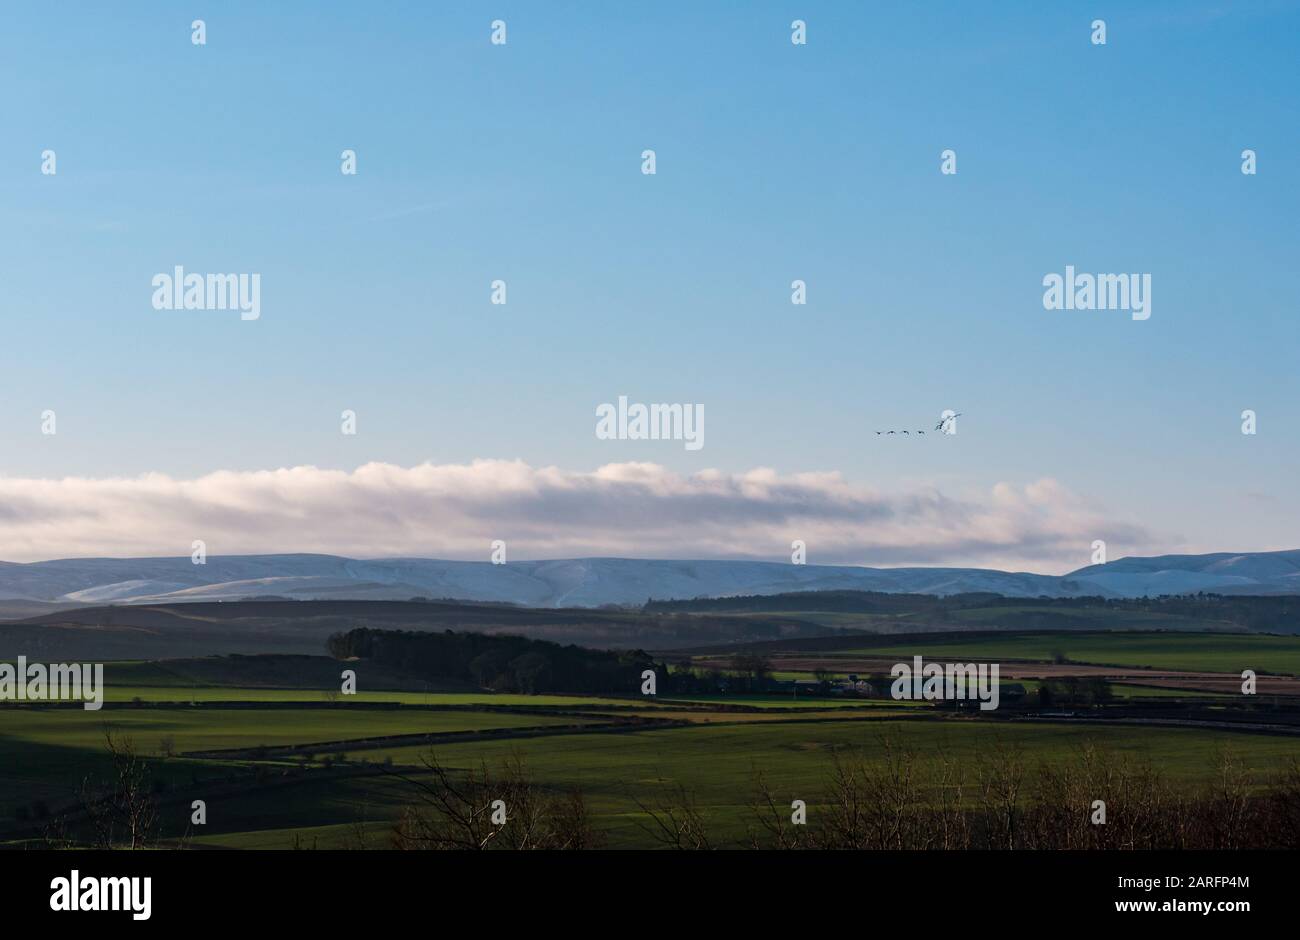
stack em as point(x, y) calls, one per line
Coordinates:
point(590, 582)
point(1220, 573)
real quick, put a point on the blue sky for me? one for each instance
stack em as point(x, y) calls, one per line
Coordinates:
point(775, 162)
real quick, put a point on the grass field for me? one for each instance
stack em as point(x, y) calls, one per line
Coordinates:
point(717, 763)
point(998, 616)
point(706, 716)
point(48, 751)
point(781, 701)
point(125, 694)
point(209, 729)
point(347, 794)
point(1208, 652)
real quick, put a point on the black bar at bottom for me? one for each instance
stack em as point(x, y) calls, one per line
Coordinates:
point(331, 889)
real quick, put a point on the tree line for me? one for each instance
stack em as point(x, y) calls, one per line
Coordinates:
point(1271, 613)
point(496, 662)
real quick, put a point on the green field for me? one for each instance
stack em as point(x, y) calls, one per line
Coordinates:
point(183, 695)
point(717, 763)
point(211, 729)
point(995, 616)
point(327, 787)
point(783, 701)
point(50, 749)
point(1204, 652)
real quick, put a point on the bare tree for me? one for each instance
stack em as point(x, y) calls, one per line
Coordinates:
point(120, 813)
point(463, 811)
point(1283, 823)
point(1231, 810)
point(775, 828)
point(1000, 778)
point(673, 818)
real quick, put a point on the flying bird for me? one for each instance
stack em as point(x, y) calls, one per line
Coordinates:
point(944, 421)
point(942, 425)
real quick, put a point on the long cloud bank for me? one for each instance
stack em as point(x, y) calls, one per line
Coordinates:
point(634, 510)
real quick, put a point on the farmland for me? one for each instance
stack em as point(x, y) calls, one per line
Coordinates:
point(284, 760)
point(1190, 651)
point(1161, 662)
point(275, 801)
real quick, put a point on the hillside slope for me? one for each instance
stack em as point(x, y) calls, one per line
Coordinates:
point(592, 582)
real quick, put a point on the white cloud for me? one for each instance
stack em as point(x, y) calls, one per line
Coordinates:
point(629, 509)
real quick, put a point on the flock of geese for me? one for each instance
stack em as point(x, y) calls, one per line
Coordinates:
point(938, 427)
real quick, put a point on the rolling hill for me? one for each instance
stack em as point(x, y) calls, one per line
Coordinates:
point(593, 582)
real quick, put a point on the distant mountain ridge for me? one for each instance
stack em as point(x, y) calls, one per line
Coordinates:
point(592, 582)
